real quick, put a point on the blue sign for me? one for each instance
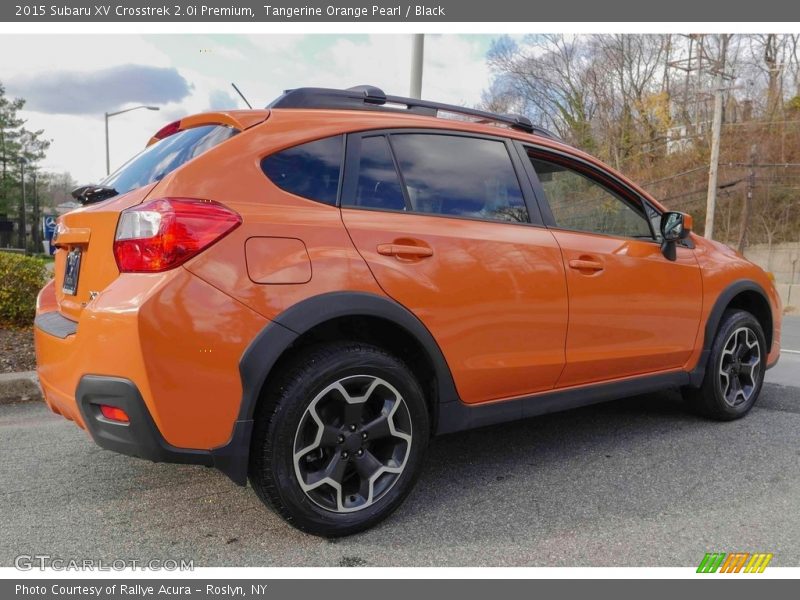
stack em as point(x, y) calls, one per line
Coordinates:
point(48, 229)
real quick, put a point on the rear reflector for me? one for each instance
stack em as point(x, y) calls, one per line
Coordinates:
point(162, 234)
point(113, 413)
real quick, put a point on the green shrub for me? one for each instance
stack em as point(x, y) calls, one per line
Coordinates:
point(21, 278)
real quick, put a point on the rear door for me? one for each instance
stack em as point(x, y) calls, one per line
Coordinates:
point(449, 232)
point(631, 311)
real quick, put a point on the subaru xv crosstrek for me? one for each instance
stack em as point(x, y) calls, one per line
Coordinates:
point(303, 295)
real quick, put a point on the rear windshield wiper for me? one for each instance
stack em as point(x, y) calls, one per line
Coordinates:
point(89, 194)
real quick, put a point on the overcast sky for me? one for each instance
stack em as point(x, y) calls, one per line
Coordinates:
point(69, 81)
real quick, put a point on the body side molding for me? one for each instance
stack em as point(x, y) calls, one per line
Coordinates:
point(458, 416)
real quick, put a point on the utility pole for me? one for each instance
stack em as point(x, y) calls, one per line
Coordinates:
point(748, 200)
point(417, 55)
point(716, 133)
point(36, 225)
point(22, 225)
point(713, 168)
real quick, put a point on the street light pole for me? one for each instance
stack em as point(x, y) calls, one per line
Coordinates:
point(114, 114)
point(108, 156)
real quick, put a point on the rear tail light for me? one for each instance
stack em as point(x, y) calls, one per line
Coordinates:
point(114, 413)
point(162, 234)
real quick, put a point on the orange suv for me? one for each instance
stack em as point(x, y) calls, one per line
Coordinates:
point(303, 295)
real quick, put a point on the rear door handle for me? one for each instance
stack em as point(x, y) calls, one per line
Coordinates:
point(405, 250)
point(585, 265)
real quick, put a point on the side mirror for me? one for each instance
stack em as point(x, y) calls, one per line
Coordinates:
point(675, 226)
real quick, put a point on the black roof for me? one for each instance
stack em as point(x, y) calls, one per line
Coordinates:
point(367, 97)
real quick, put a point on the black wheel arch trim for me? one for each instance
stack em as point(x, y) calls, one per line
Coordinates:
point(269, 345)
point(715, 317)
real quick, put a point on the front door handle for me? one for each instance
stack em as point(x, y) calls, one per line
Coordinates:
point(585, 265)
point(405, 250)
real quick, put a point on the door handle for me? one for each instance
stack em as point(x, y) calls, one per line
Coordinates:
point(585, 265)
point(404, 250)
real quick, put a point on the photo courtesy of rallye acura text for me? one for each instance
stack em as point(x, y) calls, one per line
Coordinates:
point(303, 295)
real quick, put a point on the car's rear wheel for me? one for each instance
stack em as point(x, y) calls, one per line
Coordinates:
point(735, 371)
point(339, 438)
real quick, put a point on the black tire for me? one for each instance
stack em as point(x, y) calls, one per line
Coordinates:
point(714, 398)
point(284, 422)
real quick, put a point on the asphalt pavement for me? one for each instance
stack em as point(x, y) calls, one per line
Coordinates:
point(636, 482)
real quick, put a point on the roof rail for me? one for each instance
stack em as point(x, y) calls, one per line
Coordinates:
point(368, 97)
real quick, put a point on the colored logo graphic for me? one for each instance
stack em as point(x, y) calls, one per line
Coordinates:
point(735, 562)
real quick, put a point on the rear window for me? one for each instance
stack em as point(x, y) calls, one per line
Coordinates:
point(166, 155)
point(310, 170)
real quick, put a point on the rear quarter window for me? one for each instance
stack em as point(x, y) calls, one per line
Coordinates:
point(310, 170)
point(163, 157)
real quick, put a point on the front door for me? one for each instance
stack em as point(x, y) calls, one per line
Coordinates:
point(631, 311)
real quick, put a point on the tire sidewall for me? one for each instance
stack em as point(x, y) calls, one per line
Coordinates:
point(352, 360)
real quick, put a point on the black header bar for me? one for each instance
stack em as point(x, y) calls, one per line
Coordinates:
point(376, 11)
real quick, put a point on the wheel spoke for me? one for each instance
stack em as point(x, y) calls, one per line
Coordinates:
point(378, 428)
point(367, 465)
point(752, 365)
point(334, 471)
point(330, 436)
point(726, 384)
point(353, 412)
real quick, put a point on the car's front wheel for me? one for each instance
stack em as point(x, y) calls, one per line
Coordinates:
point(339, 439)
point(735, 370)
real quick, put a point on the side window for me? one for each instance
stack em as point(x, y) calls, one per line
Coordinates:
point(378, 183)
point(459, 176)
point(310, 170)
point(582, 204)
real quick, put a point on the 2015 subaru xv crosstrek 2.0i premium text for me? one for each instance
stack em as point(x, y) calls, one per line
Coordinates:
point(303, 295)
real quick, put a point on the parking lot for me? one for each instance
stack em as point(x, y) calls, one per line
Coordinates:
point(636, 482)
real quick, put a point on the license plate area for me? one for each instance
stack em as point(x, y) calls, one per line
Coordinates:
point(71, 272)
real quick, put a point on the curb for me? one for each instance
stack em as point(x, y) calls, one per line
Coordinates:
point(19, 387)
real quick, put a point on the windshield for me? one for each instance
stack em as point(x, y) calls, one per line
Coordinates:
point(166, 155)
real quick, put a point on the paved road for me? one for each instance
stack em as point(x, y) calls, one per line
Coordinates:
point(637, 482)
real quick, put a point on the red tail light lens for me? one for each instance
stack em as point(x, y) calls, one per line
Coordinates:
point(162, 234)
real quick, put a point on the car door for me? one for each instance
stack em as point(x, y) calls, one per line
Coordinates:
point(631, 310)
point(443, 222)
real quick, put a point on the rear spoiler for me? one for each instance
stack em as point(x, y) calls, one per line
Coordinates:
point(237, 119)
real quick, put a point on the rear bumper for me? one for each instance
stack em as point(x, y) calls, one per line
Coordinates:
point(165, 348)
point(141, 438)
